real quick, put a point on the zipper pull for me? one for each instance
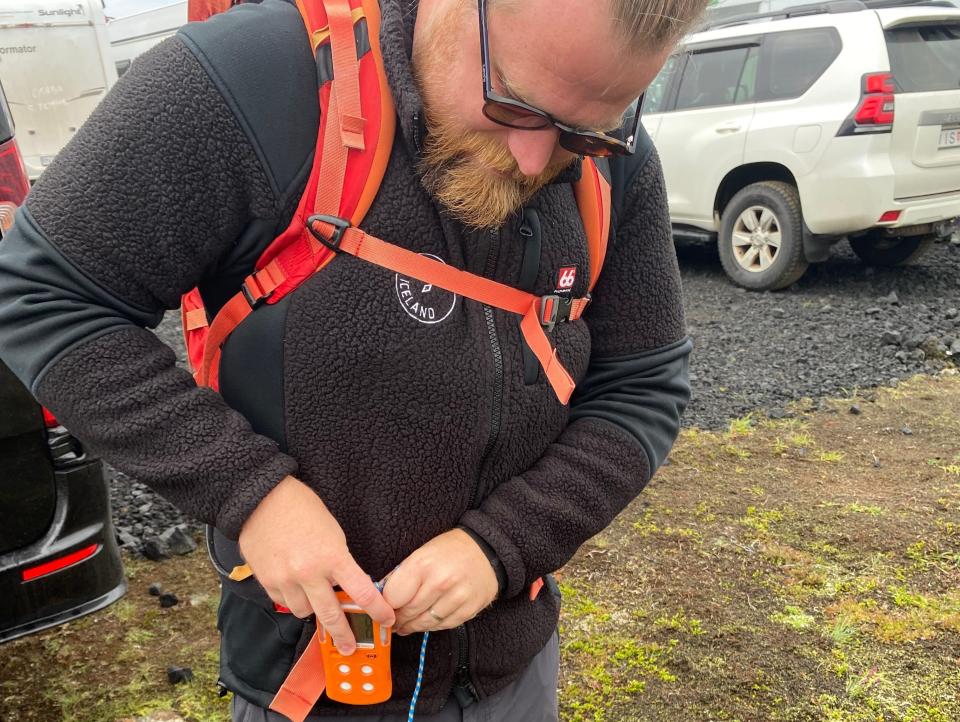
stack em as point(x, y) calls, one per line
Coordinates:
point(416, 133)
point(463, 688)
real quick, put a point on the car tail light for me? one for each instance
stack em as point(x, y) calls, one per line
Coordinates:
point(875, 111)
point(55, 565)
point(49, 420)
point(13, 176)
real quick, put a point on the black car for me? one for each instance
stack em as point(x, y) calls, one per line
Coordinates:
point(58, 555)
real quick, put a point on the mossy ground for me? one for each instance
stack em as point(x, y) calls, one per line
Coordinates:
point(781, 571)
point(792, 570)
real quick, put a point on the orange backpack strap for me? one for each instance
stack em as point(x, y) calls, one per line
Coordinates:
point(304, 684)
point(537, 312)
point(593, 199)
point(349, 165)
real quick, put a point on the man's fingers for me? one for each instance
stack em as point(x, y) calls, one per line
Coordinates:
point(427, 623)
point(403, 583)
point(425, 598)
point(365, 594)
point(326, 607)
point(296, 601)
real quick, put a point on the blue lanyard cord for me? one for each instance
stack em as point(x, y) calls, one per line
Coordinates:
point(423, 661)
point(416, 688)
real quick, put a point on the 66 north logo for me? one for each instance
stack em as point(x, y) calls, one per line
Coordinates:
point(423, 301)
point(566, 277)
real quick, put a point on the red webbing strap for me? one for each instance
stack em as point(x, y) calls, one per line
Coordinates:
point(194, 319)
point(468, 285)
point(339, 137)
point(592, 192)
point(303, 685)
point(258, 285)
point(333, 164)
point(344, 108)
point(346, 73)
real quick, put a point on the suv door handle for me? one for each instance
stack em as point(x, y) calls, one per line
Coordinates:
point(733, 127)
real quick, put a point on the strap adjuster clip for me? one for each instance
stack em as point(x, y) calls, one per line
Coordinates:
point(253, 300)
point(553, 310)
point(340, 226)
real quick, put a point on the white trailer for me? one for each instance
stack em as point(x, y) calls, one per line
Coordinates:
point(134, 34)
point(55, 65)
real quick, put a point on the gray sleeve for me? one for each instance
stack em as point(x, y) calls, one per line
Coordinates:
point(626, 412)
point(149, 196)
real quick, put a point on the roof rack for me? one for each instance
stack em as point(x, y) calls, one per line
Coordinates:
point(822, 8)
point(835, 6)
point(879, 4)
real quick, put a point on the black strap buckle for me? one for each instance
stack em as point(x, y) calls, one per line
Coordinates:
point(254, 301)
point(553, 310)
point(340, 226)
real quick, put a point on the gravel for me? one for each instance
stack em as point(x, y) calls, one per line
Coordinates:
point(843, 326)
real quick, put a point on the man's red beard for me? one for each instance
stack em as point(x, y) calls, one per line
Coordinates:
point(472, 174)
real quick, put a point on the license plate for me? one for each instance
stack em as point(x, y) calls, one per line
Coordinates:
point(949, 138)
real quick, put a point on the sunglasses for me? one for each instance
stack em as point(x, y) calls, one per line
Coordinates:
point(516, 114)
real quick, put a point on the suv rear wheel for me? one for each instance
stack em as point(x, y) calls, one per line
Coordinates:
point(875, 248)
point(761, 237)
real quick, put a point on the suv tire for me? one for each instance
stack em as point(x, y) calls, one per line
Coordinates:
point(877, 249)
point(761, 237)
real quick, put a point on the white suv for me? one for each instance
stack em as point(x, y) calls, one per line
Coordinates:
point(781, 133)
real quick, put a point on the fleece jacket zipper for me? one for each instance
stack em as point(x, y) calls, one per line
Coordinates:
point(496, 408)
point(463, 687)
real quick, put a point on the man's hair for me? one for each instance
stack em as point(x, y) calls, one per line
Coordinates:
point(646, 24)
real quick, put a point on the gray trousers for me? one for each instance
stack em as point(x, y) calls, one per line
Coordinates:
point(532, 698)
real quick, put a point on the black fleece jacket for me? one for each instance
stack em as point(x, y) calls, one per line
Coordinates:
point(409, 410)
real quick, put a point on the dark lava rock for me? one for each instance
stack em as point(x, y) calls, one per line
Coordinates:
point(156, 589)
point(168, 599)
point(127, 540)
point(155, 549)
point(179, 675)
point(178, 541)
point(856, 410)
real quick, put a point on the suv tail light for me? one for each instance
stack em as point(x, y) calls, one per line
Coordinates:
point(13, 183)
point(874, 113)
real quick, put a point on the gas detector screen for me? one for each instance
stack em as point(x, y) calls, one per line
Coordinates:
point(362, 626)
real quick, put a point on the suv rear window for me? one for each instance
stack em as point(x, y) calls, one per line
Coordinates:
point(711, 78)
point(793, 61)
point(925, 57)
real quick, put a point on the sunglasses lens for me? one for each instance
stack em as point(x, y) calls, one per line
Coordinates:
point(588, 145)
point(514, 116)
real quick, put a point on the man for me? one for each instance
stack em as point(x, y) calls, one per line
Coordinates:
point(352, 437)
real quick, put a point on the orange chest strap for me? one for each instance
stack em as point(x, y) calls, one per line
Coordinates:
point(536, 312)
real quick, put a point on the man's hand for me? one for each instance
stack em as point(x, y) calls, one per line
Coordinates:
point(298, 552)
point(449, 576)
